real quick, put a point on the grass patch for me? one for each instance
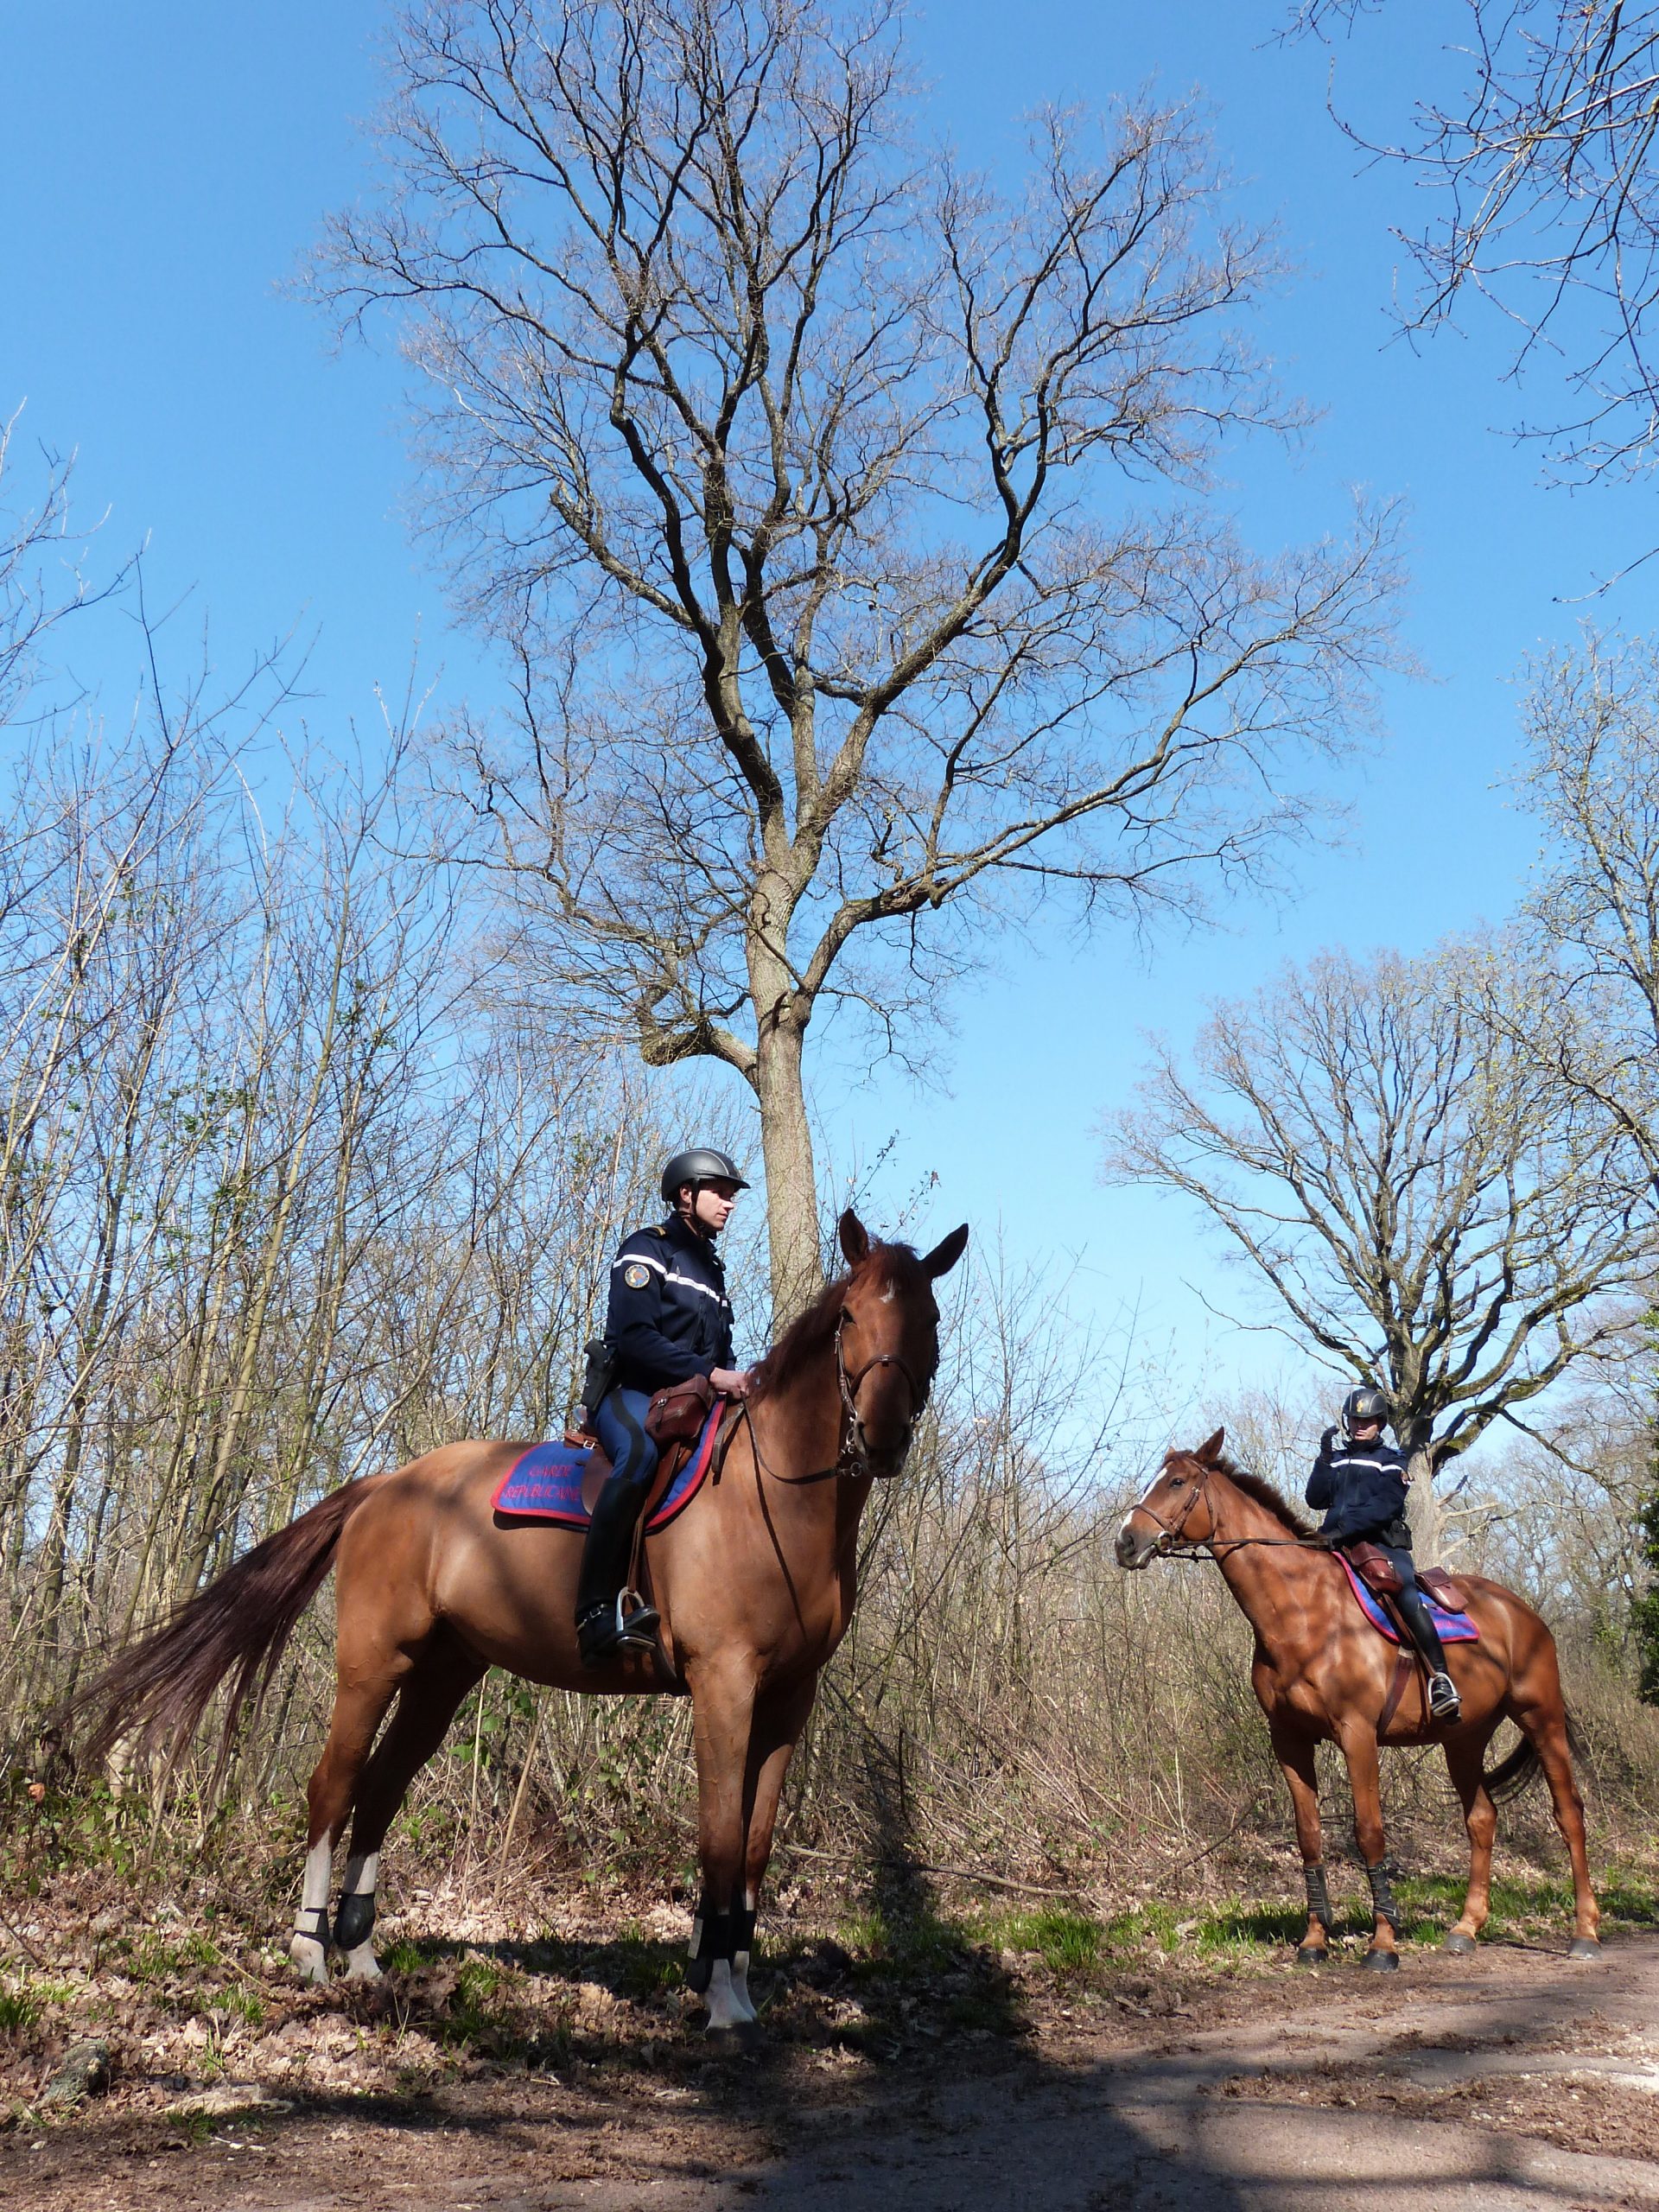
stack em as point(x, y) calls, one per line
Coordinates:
point(1068, 1943)
point(19, 2009)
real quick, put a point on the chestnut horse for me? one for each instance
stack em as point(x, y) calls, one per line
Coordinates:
point(1323, 1674)
point(755, 1582)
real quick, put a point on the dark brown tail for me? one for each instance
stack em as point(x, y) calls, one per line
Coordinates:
point(156, 1690)
point(1511, 1775)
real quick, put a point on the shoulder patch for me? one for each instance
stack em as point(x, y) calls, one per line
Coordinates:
point(636, 1275)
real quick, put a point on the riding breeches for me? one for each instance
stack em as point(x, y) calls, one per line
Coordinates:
point(621, 1422)
point(1413, 1609)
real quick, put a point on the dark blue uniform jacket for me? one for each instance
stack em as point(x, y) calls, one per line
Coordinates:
point(670, 1318)
point(1364, 1487)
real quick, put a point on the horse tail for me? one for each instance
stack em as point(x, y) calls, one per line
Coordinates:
point(1513, 1775)
point(156, 1689)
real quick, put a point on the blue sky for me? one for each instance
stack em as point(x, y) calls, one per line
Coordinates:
point(163, 169)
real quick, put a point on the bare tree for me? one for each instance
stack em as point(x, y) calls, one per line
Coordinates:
point(1431, 1207)
point(1591, 776)
point(1540, 171)
point(846, 520)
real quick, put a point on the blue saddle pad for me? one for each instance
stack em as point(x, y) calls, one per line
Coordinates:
point(1452, 1627)
point(544, 1482)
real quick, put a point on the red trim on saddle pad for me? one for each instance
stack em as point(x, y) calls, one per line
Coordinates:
point(544, 1482)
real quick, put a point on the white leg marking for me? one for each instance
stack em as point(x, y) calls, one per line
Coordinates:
point(362, 1873)
point(307, 1954)
point(724, 2010)
point(741, 1969)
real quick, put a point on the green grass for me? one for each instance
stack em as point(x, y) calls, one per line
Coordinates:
point(19, 2009)
point(1068, 1943)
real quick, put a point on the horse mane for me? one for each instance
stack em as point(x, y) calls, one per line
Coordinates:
point(895, 1265)
point(1258, 1488)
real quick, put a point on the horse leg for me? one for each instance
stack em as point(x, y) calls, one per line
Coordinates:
point(427, 1703)
point(1465, 1762)
point(1295, 1755)
point(1365, 1781)
point(723, 1716)
point(1548, 1733)
point(361, 1697)
point(778, 1725)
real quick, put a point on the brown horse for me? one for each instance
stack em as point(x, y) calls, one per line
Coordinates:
point(1322, 1674)
point(755, 1583)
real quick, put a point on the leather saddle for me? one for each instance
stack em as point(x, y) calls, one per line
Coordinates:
point(1374, 1569)
point(675, 1428)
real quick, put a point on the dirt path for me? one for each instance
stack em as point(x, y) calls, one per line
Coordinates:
point(1513, 2080)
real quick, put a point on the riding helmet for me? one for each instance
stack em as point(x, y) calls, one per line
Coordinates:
point(1363, 1405)
point(700, 1164)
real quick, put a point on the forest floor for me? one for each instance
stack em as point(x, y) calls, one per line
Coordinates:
point(1006, 2057)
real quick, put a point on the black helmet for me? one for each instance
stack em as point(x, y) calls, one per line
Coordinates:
point(700, 1164)
point(1364, 1404)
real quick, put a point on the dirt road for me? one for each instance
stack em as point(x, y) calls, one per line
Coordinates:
point(1513, 2080)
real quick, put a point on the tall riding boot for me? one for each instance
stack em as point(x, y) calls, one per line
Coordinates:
point(602, 1628)
point(1444, 1703)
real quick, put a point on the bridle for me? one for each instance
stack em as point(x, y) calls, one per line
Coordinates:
point(1172, 1545)
point(850, 1460)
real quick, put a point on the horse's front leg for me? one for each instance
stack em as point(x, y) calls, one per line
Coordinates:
point(1359, 1742)
point(779, 1720)
point(722, 1702)
point(1295, 1753)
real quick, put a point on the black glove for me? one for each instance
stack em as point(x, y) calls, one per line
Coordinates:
point(1326, 1442)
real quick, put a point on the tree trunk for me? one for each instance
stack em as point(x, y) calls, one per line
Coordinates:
point(1423, 1507)
point(792, 1187)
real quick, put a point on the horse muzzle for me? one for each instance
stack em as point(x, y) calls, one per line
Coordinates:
point(1136, 1547)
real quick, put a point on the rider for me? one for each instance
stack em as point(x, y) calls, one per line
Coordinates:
point(1362, 1483)
point(669, 1318)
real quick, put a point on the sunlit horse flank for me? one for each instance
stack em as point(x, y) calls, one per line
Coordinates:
point(1322, 1674)
point(755, 1584)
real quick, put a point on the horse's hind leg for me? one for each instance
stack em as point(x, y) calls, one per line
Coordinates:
point(1548, 1733)
point(1465, 1762)
point(430, 1696)
point(361, 1697)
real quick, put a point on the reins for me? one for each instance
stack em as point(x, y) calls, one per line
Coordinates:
point(1172, 1545)
point(849, 1460)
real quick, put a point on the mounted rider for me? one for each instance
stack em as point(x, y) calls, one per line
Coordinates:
point(669, 1320)
point(1361, 1483)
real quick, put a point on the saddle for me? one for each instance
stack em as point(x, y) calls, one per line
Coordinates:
point(1372, 1565)
point(675, 1421)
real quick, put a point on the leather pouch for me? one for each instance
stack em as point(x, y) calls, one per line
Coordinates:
point(675, 1415)
point(1374, 1568)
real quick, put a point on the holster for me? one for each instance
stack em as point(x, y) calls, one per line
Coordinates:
point(597, 1377)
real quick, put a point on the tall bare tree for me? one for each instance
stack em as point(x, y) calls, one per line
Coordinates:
point(1591, 776)
point(1432, 1209)
point(847, 520)
point(1542, 185)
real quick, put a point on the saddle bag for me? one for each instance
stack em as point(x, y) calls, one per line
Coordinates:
point(675, 1415)
point(1448, 1594)
point(1374, 1568)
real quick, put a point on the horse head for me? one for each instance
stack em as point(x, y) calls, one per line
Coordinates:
point(1176, 1510)
point(887, 1340)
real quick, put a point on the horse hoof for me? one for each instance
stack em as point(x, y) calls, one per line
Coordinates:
point(734, 2038)
point(1459, 1944)
point(1381, 1962)
point(1583, 1947)
point(1314, 1954)
point(309, 1958)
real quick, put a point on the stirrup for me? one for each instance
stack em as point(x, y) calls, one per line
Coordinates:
point(604, 1633)
point(1444, 1703)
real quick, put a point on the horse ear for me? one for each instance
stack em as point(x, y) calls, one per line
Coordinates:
point(855, 1238)
point(946, 1252)
point(1210, 1450)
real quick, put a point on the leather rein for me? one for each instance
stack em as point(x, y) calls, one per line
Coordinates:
point(849, 1460)
point(1172, 1545)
